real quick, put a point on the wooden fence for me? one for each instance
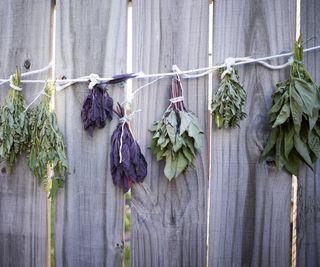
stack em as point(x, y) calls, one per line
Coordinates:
point(249, 202)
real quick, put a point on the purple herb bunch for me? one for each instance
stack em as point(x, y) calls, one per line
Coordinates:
point(97, 108)
point(98, 105)
point(128, 165)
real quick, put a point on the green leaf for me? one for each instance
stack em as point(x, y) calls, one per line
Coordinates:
point(296, 110)
point(283, 115)
point(170, 167)
point(171, 133)
point(302, 150)
point(182, 164)
point(292, 164)
point(270, 144)
point(280, 159)
point(185, 122)
point(288, 141)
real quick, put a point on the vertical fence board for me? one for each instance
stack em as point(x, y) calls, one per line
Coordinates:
point(250, 202)
point(91, 38)
point(169, 218)
point(25, 35)
point(308, 219)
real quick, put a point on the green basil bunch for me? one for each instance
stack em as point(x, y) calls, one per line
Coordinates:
point(294, 115)
point(177, 136)
point(47, 145)
point(229, 101)
point(14, 135)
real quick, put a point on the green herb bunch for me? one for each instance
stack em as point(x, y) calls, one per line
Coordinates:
point(14, 135)
point(295, 134)
point(228, 102)
point(47, 144)
point(177, 136)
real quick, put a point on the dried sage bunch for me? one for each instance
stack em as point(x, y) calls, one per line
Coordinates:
point(177, 136)
point(47, 148)
point(128, 164)
point(14, 135)
point(294, 115)
point(229, 101)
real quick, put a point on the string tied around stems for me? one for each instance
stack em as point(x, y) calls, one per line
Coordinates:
point(229, 62)
point(176, 99)
point(12, 85)
point(42, 92)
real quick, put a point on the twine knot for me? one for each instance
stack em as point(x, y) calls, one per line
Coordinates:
point(229, 62)
point(94, 80)
point(176, 99)
point(12, 85)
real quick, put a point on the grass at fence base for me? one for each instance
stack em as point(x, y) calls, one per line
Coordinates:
point(127, 229)
point(52, 212)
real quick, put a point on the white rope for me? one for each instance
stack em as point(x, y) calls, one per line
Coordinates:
point(94, 80)
point(229, 62)
point(42, 92)
point(121, 143)
point(185, 74)
point(145, 85)
point(12, 85)
point(25, 74)
point(176, 99)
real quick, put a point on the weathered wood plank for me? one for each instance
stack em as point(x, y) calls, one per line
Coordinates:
point(25, 35)
point(169, 218)
point(250, 202)
point(91, 38)
point(308, 217)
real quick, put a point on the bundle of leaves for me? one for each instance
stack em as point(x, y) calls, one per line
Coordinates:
point(228, 102)
point(177, 136)
point(294, 116)
point(128, 165)
point(97, 108)
point(47, 148)
point(14, 134)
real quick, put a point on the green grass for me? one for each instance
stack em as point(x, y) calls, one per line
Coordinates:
point(52, 211)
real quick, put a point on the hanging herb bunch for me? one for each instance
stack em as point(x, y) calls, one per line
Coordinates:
point(229, 101)
point(128, 164)
point(14, 134)
point(98, 105)
point(294, 115)
point(47, 145)
point(97, 108)
point(177, 137)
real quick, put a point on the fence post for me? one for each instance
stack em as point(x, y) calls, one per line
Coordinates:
point(91, 38)
point(25, 42)
point(308, 218)
point(250, 202)
point(169, 218)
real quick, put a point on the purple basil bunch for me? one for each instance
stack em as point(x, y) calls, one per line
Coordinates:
point(97, 108)
point(98, 105)
point(128, 164)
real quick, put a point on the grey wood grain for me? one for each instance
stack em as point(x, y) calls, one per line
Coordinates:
point(91, 38)
point(308, 217)
point(250, 201)
point(169, 218)
point(25, 35)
